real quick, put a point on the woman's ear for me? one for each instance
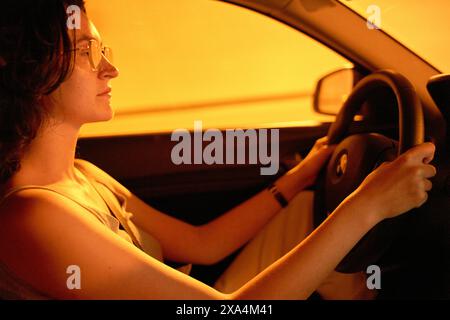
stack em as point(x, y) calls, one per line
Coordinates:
point(2, 62)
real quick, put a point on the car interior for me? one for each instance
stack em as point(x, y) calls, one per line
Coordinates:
point(389, 109)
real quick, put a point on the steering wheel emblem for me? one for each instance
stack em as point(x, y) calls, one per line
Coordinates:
point(342, 165)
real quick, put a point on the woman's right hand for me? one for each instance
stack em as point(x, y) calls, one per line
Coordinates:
point(401, 185)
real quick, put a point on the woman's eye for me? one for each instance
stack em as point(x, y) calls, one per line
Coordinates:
point(83, 51)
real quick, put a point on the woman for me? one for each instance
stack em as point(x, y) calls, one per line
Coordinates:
point(54, 80)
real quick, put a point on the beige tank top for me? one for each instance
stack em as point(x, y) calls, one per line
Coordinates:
point(115, 197)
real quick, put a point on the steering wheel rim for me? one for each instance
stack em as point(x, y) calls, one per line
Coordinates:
point(411, 124)
point(411, 132)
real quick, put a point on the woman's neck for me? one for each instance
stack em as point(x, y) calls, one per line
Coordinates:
point(50, 157)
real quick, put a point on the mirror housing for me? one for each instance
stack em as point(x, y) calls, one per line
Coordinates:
point(333, 89)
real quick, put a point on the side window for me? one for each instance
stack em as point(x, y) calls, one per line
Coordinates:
point(184, 60)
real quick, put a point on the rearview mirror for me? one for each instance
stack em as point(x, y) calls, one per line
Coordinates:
point(333, 89)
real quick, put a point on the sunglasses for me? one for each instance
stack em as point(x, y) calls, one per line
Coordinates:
point(96, 53)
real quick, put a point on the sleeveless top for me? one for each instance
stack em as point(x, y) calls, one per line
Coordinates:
point(117, 219)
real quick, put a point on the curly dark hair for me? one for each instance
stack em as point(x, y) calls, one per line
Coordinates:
point(36, 56)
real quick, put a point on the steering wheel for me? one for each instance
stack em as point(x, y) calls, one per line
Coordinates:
point(357, 155)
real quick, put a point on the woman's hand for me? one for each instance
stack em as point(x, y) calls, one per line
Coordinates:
point(314, 161)
point(305, 173)
point(401, 185)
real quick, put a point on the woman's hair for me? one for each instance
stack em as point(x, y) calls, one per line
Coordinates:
point(36, 56)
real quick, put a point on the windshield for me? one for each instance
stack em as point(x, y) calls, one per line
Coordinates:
point(422, 26)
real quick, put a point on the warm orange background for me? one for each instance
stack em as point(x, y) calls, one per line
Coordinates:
point(189, 60)
point(423, 26)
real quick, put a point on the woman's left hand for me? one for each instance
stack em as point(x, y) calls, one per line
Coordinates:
point(310, 167)
point(305, 173)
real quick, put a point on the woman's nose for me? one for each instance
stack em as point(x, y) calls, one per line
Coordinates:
point(108, 70)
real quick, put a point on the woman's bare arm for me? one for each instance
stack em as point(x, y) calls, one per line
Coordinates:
point(50, 233)
point(392, 189)
point(211, 242)
point(43, 233)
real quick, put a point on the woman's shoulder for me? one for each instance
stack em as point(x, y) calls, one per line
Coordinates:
point(31, 199)
point(31, 214)
point(20, 198)
point(22, 202)
point(93, 172)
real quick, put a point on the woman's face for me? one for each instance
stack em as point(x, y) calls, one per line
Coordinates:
point(84, 97)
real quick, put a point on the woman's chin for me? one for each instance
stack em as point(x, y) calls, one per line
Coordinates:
point(104, 115)
point(107, 112)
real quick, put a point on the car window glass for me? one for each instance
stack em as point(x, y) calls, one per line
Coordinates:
point(186, 60)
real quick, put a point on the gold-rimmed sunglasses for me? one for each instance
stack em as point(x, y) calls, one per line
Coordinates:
point(96, 53)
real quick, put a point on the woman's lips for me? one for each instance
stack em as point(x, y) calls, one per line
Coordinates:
point(107, 93)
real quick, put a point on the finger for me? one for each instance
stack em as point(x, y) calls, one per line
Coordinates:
point(424, 199)
point(424, 153)
point(430, 158)
point(325, 143)
point(429, 171)
point(324, 153)
point(427, 185)
point(322, 141)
